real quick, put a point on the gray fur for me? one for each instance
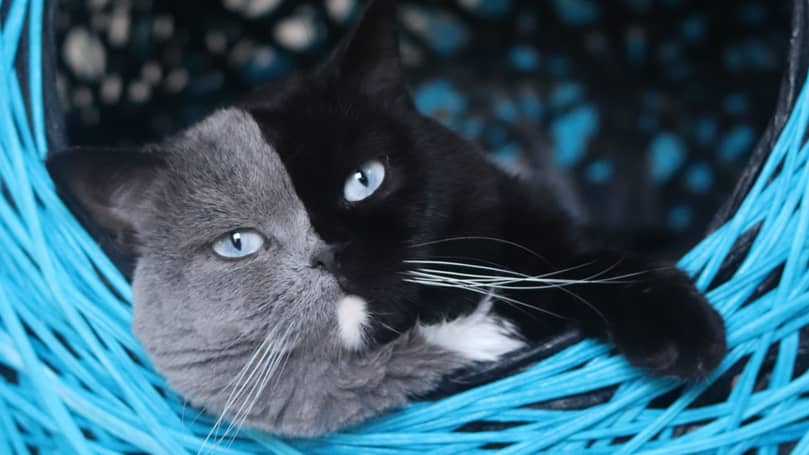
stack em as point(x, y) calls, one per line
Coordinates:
point(201, 318)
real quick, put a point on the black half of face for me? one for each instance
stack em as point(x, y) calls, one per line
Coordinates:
point(369, 239)
point(344, 121)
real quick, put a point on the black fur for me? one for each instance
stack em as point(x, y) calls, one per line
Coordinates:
point(439, 188)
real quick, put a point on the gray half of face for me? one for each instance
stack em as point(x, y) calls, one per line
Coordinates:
point(269, 339)
point(222, 176)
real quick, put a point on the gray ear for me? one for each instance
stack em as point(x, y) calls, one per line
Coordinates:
point(368, 59)
point(108, 186)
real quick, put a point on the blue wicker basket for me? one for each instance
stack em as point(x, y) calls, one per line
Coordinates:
point(74, 379)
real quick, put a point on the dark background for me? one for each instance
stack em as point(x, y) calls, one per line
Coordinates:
point(650, 107)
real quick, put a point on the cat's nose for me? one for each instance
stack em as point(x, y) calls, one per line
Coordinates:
point(323, 257)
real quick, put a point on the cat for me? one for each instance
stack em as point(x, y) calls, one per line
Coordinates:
point(321, 253)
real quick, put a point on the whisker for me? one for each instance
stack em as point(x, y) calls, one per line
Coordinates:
point(266, 348)
point(509, 301)
point(499, 281)
point(263, 353)
point(586, 303)
point(549, 274)
point(247, 365)
point(437, 280)
point(385, 325)
point(608, 269)
point(463, 258)
point(522, 275)
point(423, 275)
point(240, 413)
point(461, 264)
point(514, 274)
point(509, 280)
point(491, 239)
point(269, 367)
point(459, 285)
point(250, 399)
point(236, 392)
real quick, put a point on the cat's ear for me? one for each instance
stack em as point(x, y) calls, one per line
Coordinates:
point(109, 186)
point(368, 59)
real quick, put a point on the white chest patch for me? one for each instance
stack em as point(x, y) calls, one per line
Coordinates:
point(352, 318)
point(479, 336)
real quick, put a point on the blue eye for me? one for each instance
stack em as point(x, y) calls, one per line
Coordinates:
point(364, 181)
point(238, 244)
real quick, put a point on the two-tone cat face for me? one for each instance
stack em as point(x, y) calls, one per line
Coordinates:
point(366, 184)
point(282, 227)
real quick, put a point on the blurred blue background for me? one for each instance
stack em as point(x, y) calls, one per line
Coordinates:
point(650, 108)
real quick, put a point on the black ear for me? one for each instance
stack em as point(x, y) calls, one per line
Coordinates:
point(368, 59)
point(108, 186)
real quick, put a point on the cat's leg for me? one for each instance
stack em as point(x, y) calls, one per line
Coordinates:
point(652, 312)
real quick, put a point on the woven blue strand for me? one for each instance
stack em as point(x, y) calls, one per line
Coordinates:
point(83, 384)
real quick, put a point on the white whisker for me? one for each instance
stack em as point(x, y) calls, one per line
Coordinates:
point(436, 277)
point(460, 285)
point(462, 264)
point(267, 367)
point(236, 391)
point(471, 282)
point(275, 365)
point(491, 239)
point(261, 369)
point(586, 303)
point(499, 281)
point(514, 274)
point(241, 381)
point(384, 324)
point(549, 274)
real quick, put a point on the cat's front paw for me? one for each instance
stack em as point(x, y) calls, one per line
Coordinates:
point(669, 328)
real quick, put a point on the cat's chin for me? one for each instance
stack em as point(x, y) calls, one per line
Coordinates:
point(315, 393)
